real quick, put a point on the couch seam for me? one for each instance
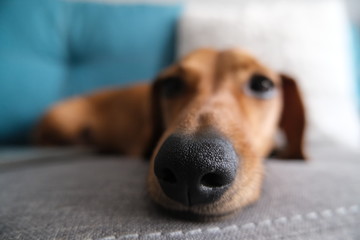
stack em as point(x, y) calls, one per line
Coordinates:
point(283, 220)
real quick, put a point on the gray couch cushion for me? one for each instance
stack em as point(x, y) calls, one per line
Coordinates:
point(85, 196)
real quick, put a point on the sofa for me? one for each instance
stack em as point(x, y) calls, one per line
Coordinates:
point(52, 50)
point(75, 194)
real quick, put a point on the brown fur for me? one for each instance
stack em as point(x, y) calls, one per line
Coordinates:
point(213, 97)
point(110, 120)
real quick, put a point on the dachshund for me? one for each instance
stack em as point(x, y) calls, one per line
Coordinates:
point(206, 123)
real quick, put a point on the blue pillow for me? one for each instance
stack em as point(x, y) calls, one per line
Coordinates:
point(32, 68)
point(118, 44)
point(356, 53)
point(50, 50)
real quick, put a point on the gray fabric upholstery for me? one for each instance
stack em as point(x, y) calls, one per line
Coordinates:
point(85, 196)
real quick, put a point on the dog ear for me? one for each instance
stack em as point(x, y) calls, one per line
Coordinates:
point(292, 121)
point(156, 119)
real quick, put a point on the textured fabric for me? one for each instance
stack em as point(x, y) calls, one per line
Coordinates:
point(98, 197)
point(308, 40)
point(51, 49)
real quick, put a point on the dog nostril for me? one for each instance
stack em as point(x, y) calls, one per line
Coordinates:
point(168, 176)
point(195, 169)
point(214, 180)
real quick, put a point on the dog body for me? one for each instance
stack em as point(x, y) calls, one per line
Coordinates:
point(207, 122)
point(110, 120)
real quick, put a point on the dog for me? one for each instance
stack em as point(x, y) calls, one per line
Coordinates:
point(206, 123)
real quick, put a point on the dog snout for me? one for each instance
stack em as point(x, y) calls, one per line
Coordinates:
point(196, 169)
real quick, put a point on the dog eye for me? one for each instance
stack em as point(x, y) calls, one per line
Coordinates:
point(172, 86)
point(260, 86)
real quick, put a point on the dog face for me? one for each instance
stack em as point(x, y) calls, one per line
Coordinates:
point(215, 117)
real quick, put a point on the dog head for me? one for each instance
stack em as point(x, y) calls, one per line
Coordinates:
point(215, 117)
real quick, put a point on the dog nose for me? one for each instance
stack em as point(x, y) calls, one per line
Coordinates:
point(195, 169)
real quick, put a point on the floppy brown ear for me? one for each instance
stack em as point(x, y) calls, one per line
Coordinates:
point(156, 119)
point(292, 121)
